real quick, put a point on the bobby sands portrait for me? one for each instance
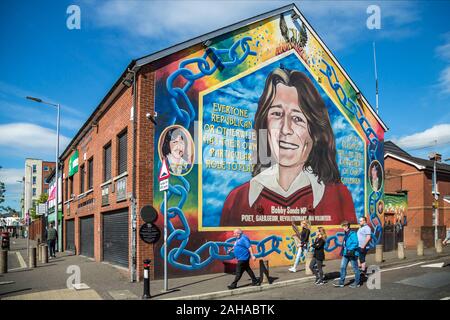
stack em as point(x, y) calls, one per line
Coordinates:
point(301, 180)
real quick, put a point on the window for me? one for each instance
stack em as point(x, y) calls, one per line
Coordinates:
point(71, 186)
point(45, 190)
point(34, 180)
point(90, 173)
point(107, 162)
point(82, 175)
point(66, 189)
point(34, 168)
point(45, 168)
point(34, 192)
point(122, 150)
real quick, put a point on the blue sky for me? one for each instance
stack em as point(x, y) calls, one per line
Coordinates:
point(40, 56)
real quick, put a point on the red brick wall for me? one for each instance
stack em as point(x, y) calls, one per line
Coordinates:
point(111, 123)
point(418, 183)
point(45, 174)
point(145, 148)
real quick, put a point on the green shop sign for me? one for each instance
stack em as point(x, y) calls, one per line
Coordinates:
point(73, 164)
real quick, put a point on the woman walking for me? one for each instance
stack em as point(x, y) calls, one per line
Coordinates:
point(319, 256)
point(302, 241)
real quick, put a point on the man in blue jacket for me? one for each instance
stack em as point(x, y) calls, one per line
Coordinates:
point(242, 252)
point(349, 253)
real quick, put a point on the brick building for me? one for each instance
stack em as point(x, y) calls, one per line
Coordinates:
point(109, 167)
point(36, 173)
point(413, 176)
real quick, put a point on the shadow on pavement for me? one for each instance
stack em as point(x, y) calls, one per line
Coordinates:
point(192, 283)
point(14, 291)
point(163, 293)
point(331, 275)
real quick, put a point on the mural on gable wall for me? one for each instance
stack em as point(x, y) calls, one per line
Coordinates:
point(261, 130)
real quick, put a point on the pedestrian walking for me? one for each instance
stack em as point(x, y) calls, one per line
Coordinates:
point(52, 236)
point(364, 237)
point(243, 252)
point(349, 253)
point(302, 238)
point(446, 240)
point(318, 256)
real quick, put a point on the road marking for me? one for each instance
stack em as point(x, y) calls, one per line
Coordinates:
point(446, 298)
point(80, 286)
point(21, 261)
point(434, 265)
point(403, 267)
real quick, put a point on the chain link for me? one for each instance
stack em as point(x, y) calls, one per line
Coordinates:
point(217, 250)
point(355, 110)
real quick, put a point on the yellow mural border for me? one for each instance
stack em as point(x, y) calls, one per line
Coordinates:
point(200, 147)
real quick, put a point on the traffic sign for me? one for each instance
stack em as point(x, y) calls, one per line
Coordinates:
point(164, 185)
point(164, 172)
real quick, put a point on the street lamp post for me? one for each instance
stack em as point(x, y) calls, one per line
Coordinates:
point(57, 105)
point(435, 157)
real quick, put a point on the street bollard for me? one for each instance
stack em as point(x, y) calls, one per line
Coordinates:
point(309, 257)
point(44, 253)
point(264, 270)
point(146, 294)
point(379, 253)
point(32, 259)
point(4, 261)
point(420, 248)
point(401, 251)
point(438, 246)
point(39, 252)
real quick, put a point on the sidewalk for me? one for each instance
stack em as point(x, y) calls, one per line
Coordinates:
point(111, 283)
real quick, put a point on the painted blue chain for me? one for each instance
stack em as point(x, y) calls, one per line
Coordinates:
point(187, 117)
point(222, 58)
point(355, 110)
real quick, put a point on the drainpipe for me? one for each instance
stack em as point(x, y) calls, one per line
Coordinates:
point(133, 277)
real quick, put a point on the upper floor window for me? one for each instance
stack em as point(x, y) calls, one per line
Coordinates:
point(34, 180)
point(122, 153)
point(82, 175)
point(71, 191)
point(107, 162)
point(34, 192)
point(34, 168)
point(90, 173)
point(45, 168)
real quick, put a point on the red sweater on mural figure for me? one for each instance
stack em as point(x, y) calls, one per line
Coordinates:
point(260, 202)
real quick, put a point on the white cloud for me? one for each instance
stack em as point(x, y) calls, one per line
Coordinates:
point(29, 138)
point(437, 135)
point(7, 90)
point(340, 23)
point(11, 175)
point(443, 52)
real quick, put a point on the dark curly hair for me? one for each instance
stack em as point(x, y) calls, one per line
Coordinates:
point(322, 158)
point(171, 135)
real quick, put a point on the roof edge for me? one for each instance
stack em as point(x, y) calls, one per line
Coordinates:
point(418, 166)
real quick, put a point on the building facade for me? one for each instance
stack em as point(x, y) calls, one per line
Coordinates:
point(36, 173)
point(51, 202)
point(411, 178)
point(227, 112)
